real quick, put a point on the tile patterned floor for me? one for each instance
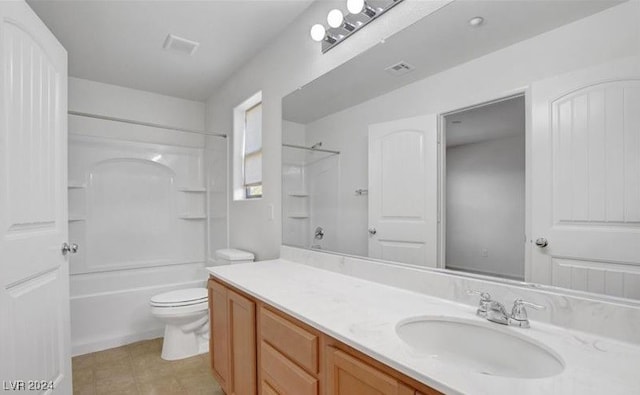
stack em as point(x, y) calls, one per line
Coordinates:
point(137, 369)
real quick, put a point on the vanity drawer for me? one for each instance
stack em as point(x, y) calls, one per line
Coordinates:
point(297, 344)
point(281, 375)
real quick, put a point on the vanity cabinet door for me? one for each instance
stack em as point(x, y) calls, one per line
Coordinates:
point(219, 334)
point(232, 342)
point(242, 342)
point(347, 375)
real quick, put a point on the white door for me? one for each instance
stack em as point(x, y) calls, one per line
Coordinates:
point(34, 275)
point(586, 180)
point(403, 190)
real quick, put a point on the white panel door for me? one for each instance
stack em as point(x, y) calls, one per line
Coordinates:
point(403, 190)
point(586, 180)
point(34, 275)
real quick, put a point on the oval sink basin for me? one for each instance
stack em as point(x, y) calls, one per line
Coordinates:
point(489, 349)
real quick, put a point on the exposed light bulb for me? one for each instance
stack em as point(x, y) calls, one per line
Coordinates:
point(335, 18)
point(355, 6)
point(318, 32)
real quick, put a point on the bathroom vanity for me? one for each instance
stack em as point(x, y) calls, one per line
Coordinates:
point(257, 348)
point(281, 327)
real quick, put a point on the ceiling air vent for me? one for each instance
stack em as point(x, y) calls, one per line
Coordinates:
point(400, 68)
point(180, 45)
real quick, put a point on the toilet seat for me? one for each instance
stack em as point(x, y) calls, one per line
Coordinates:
point(180, 298)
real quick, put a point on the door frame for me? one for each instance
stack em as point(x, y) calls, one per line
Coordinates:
point(442, 171)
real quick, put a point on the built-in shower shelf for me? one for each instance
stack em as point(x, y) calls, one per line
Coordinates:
point(192, 190)
point(193, 217)
point(76, 218)
point(299, 193)
point(76, 186)
point(298, 215)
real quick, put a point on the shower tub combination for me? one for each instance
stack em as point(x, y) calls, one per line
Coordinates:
point(138, 209)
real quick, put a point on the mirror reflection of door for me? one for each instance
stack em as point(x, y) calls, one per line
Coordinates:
point(402, 206)
point(485, 189)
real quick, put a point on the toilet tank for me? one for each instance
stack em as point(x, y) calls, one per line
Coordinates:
point(230, 256)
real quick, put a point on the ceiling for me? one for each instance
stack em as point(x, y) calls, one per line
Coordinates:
point(120, 42)
point(502, 119)
point(435, 43)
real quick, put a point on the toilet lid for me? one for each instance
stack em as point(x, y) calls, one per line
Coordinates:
point(180, 297)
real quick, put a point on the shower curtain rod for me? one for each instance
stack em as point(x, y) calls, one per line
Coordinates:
point(153, 125)
point(311, 149)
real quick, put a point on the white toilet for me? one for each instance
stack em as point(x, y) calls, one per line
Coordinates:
point(185, 313)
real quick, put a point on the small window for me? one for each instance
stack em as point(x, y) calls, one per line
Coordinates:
point(254, 191)
point(252, 154)
point(247, 149)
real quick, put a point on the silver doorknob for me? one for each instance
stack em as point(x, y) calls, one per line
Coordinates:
point(69, 248)
point(372, 231)
point(542, 242)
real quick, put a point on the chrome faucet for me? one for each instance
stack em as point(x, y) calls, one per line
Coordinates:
point(485, 299)
point(496, 312)
point(519, 313)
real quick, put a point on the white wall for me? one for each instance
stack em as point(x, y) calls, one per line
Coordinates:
point(216, 165)
point(110, 306)
point(290, 62)
point(293, 133)
point(611, 34)
point(485, 207)
point(116, 101)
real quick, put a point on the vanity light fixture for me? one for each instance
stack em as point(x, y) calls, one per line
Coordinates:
point(335, 18)
point(355, 6)
point(318, 32)
point(341, 26)
point(331, 39)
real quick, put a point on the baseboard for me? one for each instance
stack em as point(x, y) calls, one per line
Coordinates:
point(105, 344)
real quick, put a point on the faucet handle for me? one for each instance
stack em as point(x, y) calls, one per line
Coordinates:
point(484, 296)
point(485, 299)
point(519, 302)
point(519, 312)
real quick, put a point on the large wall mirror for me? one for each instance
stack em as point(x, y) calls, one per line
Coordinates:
point(509, 148)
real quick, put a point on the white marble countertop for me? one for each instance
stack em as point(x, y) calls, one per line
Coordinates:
point(364, 315)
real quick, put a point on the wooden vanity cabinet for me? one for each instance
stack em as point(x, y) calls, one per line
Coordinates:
point(288, 356)
point(348, 375)
point(233, 340)
point(256, 348)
